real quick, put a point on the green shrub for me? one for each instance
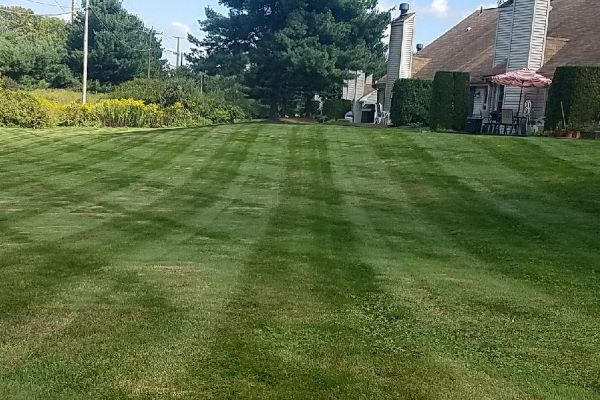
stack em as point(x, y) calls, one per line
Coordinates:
point(462, 89)
point(336, 108)
point(214, 108)
point(578, 89)
point(150, 91)
point(450, 100)
point(128, 113)
point(76, 114)
point(20, 109)
point(6, 82)
point(411, 102)
point(65, 96)
point(164, 92)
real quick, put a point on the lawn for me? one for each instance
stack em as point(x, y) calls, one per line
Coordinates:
point(282, 261)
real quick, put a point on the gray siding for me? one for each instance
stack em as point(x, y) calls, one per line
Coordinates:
point(354, 89)
point(528, 22)
point(520, 44)
point(539, 34)
point(400, 55)
point(503, 34)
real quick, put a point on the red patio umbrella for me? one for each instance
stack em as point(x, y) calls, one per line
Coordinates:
point(523, 78)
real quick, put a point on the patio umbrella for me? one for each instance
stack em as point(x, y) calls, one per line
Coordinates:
point(522, 78)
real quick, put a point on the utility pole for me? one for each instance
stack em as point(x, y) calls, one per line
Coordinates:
point(73, 10)
point(177, 64)
point(86, 28)
point(150, 51)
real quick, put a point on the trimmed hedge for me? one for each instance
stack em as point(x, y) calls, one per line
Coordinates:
point(450, 100)
point(411, 102)
point(336, 108)
point(462, 89)
point(578, 89)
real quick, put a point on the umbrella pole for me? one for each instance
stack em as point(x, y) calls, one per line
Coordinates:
point(520, 101)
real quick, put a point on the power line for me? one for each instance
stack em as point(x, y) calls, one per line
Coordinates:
point(47, 4)
point(60, 6)
point(30, 14)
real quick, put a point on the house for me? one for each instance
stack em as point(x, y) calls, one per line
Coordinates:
point(536, 34)
point(360, 91)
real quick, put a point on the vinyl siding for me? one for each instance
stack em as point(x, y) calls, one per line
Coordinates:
point(407, 48)
point(539, 34)
point(400, 55)
point(529, 30)
point(520, 43)
point(354, 89)
point(503, 34)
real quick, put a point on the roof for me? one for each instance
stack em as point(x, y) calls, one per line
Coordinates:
point(469, 46)
point(574, 28)
point(370, 98)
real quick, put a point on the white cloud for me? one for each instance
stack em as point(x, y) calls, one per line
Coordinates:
point(439, 8)
point(181, 27)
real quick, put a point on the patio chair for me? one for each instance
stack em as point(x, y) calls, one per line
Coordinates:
point(507, 120)
point(487, 122)
point(380, 119)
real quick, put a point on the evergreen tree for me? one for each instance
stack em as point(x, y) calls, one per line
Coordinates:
point(118, 44)
point(290, 48)
point(33, 49)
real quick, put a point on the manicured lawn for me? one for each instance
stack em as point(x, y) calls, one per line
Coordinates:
point(278, 261)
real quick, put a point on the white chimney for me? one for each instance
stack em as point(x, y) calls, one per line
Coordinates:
point(521, 39)
point(400, 55)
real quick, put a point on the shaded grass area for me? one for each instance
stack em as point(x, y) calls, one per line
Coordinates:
point(282, 261)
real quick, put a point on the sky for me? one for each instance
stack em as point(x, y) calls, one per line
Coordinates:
point(180, 17)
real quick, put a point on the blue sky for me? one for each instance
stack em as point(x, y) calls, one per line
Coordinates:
point(178, 17)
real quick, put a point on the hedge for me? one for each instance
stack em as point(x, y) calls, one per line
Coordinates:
point(450, 100)
point(411, 102)
point(578, 89)
point(336, 108)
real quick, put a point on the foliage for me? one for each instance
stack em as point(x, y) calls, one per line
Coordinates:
point(215, 108)
point(411, 102)
point(20, 109)
point(221, 100)
point(118, 44)
point(164, 92)
point(461, 92)
point(450, 100)
point(128, 113)
point(77, 114)
point(33, 49)
point(8, 83)
point(65, 96)
point(336, 108)
point(578, 90)
point(283, 49)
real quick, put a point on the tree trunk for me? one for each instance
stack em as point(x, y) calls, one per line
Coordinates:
point(274, 112)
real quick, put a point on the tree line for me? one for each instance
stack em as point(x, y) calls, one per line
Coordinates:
point(282, 52)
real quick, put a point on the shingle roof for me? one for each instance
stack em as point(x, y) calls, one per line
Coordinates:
point(469, 46)
point(575, 23)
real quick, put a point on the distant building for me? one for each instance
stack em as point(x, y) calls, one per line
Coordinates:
point(535, 34)
point(361, 92)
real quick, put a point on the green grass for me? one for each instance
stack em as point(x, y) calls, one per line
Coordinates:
point(278, 261)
